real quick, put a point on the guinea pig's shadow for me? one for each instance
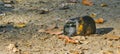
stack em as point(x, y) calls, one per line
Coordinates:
point(6, 28)
point(103, 31)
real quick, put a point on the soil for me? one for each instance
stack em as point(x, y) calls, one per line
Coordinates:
point(42, 14)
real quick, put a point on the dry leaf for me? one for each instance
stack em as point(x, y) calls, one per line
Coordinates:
point(52, 31)
point(87, 2)
point(108, 52)
point(118, 51)
point(68, 39)
point(93, 15)
point(26, 52)
point(19, 25)
point(74, 51)
point(118, 47)
point(99, 20)
point(57, 32)
point(71, 41)
point(112, 37)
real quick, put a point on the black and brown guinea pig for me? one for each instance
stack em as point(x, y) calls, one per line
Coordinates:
point(80, 26)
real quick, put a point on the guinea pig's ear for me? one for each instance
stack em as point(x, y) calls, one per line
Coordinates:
point(66, 21)
point(80, 18)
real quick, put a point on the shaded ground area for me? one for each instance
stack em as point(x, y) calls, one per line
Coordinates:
point(30, 41)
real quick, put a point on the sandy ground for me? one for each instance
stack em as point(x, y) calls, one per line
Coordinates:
point(29, 41)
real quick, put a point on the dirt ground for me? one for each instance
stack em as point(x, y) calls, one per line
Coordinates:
point(29, 41)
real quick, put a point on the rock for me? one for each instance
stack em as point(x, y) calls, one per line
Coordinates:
point(84, 42)
point(81, 38)
point(103, 5)
point(72, 1)
point(9, 5)
point(13, 49)
point(44, 11)
point(93, 15)
point(64, 6)
point(2, 14)
point(11, 46)
point(9, 1)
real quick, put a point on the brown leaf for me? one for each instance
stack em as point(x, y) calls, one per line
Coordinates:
point(63, 37)
point(74, 51)
point(112, 37)
point(54, 32)
point(87, 2)
point(118, 47)
point(68, 39)
point(99, 20)
point(82, 39)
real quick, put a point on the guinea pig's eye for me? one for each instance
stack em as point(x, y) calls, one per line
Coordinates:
point(67, 25)
point(74, 23)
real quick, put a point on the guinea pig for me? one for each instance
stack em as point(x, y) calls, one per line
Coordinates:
point(80, 26)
